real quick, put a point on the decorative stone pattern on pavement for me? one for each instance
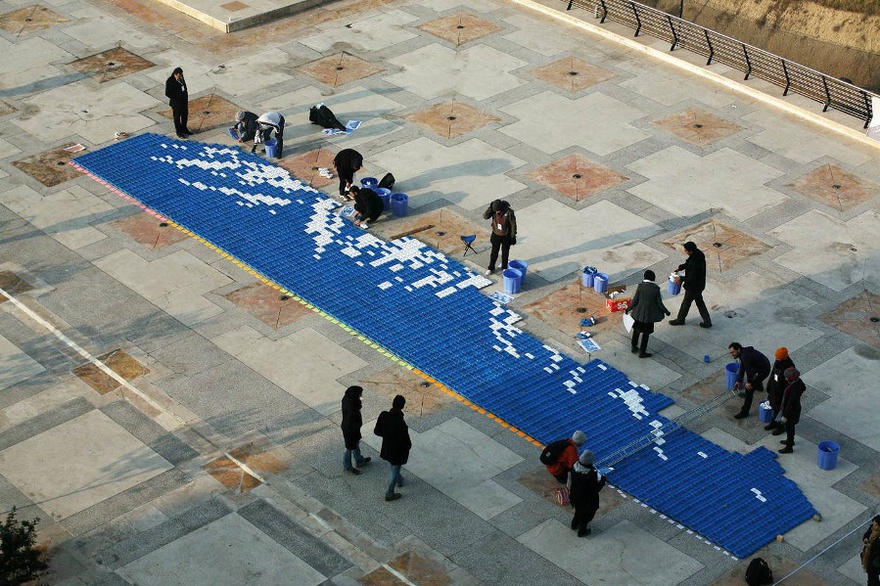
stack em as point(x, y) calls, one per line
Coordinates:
point(724, 246)
point(577, 177)
point(452, 119)
point(697, 126)
point(460, 28)
point(269, 305)
point(836, 188)
point(859, 317)
point(30, 19)
point(112, 64)
point(51, 167)
point(572, 74)
point(209, 112)
point(148, 230)
point(340, 69)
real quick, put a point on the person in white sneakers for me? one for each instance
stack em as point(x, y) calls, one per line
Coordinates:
point(503, 232)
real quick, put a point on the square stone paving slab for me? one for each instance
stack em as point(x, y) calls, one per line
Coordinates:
point(99, 458)
point(111, 64)
point(564, 308)
point(834, 187)
point(423, 397)
point(577, 177)
point(460, 28)
point(451, 119)
point(440, 229)
point(269, 305)
point(51, 167)
point(117, 361)
point(858, 317)
point(15, 365)
point(304, 166)
point(149, 230)
point(12, 284)
point(374, 33)
point(724, 246)
point(697, 126)
point(232, 476)
point(339, 69)
point(30, 19)
point(572, 74)
point(228, 551)
point(208, 112)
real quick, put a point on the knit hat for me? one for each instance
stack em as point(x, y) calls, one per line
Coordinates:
point(239, 116)
point(781, 353)
point(587, 458)
point(578, 437)
point(792, 374)
point(398, 402)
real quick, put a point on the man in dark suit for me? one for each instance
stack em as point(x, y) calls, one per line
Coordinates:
point(178, 99)
point(694, 281)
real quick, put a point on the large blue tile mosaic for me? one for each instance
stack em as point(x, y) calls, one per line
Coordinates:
point(426, 308)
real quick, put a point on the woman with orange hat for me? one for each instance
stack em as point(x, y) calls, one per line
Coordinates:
point(776, 386)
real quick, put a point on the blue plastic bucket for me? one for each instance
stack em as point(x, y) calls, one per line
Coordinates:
point(731, 369)
point(828, 452)
point(520, 265)
point(600, 282)
point(385, 195)
point(673, 287)
point(271, 148)
point(587, 278)
point(369, 182)
point(399, 204)
point(765, 413)
point(233, 133)
point(512, 280)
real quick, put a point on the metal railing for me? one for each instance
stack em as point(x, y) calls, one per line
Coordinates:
point(792, 77)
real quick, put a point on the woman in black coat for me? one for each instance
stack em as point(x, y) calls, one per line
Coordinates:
point(790, 414)
point(646, 309)
point(351, 429)
point(776, 386)
point(347, 162)
point(584, 495)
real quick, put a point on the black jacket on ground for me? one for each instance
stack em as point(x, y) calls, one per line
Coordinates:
point(395, 437)
point(351, 418)
point(694, 278)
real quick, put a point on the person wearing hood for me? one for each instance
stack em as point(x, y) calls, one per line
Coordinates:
point(647, 308)
point(503, 232)
point(351, 429)
point(245, 125)
point(694, 282)
point(790, 413)
point(585, 486)
point(178, 99)
point(776, 386)
point(267, 124)
point(395, 443)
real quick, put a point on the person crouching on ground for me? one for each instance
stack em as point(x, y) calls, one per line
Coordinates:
point(566, 460)
point(245, 126)
point(368, 206)
point(585, 486)
point(647, 308)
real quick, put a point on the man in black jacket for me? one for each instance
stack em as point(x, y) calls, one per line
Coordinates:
point(368, 206)
point(395, 443)
point(347, 162)
point(178, 99)
point(503, 232)
point(351, 429)
point(694, 282)
point(754, 367)
point(585, 486)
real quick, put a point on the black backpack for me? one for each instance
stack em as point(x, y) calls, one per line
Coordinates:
point(387, 182)
point(324, 117)
point(758, 573)
point(551, 452)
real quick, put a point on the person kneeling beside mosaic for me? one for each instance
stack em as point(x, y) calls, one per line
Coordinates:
point(368, 206)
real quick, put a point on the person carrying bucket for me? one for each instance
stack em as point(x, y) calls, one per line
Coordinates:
point(267, 124)
point(694, 282)
point(503, 232)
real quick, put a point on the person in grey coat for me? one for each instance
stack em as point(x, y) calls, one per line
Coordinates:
point(646, 309)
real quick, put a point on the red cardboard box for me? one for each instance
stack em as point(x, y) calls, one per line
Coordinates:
point(617, 304)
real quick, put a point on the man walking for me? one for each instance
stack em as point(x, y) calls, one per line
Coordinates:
point(585, 486)
point(647, 307)
point(178, 99)
point(503, 232)
point(694, 282)
point(753, 369)
point(395, 443)
point(351, 429)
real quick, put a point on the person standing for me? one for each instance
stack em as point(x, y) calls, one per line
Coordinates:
point(753, 369)
point(395, 443)
point(647, 308)
point(503, 232)
point(351, 429)
point(347, 162)
point(775, 386)
point(585, 486)
point(694, 282)
point(791, 407)
point(871, 552)
point(178, 99)
point(567, 457)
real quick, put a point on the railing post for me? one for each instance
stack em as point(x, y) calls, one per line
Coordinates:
point(674, 36)
point(570, 2)
point(709, 44)
point(868, 111)
point(787, 80)
point(604, 11)
point(748, 63)
point(827, 94)
point(638, 20)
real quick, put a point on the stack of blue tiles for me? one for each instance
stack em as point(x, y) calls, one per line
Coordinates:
point(426, 309)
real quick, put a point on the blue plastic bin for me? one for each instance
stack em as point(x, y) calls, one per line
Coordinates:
point(731, 369)
point(765, 413)
point(828, 452)
point(385, 195)
point(587, 276)
point(512, 280)
point(271, 148)
point(520, 265)
point(399, 204)
point(369, 182)
point(673, 287)
point(600, 283)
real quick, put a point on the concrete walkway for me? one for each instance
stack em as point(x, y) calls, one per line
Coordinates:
point(172, 419)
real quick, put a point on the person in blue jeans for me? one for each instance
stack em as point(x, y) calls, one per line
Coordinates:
point(351, 429)
point(395, 443)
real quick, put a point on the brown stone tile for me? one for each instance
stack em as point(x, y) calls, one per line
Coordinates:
point(148, 230)
point(339, 69)
point(724, 246)
point(854, 317)
point(230, 475)
point(117, 361)
point(30, 19)
point(451, 119)
point(49, 168)
point(420, 570)
point(269, 305)
point(208, 112)
point(12, 284)
point(831, 185)
point(460, 28)
point(564, 308)
point(422, 397)
point(871, 486)
point(305, 167)
point(577, 177)
point(540, 481)
point(444, 230)
point(697, 126)
point(779, 565)
point(234, 6)
point(6, 109)
point(112, 64)
point(572, 74)
point(381, 577)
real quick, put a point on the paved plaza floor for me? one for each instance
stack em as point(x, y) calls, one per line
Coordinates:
point(173, 419)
